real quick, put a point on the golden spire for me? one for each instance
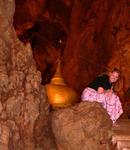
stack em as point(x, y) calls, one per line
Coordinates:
point(57, 78)
point(59, 94)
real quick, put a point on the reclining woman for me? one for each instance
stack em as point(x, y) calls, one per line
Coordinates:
point(101, 90)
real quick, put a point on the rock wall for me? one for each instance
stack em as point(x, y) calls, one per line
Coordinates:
point(98, 41)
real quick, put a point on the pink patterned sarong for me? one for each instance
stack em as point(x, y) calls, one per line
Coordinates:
point(110, 102)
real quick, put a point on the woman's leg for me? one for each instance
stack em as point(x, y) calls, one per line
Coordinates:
point(113, 106)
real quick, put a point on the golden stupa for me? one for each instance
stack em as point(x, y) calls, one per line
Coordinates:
point(59, 94)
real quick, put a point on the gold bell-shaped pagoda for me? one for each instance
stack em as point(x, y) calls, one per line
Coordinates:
point(59, 94)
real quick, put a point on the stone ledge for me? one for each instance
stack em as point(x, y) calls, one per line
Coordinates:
point(123, 144)
point(116, 138)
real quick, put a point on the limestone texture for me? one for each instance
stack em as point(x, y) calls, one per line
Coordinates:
point(23, 101)
point(84, 126)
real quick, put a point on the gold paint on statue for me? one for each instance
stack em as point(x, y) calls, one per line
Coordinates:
point(59, 94)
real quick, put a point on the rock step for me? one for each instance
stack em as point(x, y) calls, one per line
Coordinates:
point(126, 149)
point(123, 144)
point(120, 137)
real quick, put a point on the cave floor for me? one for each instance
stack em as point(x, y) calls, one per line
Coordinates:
point(121, 134)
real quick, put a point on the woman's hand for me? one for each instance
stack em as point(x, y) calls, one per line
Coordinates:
point(100, 90)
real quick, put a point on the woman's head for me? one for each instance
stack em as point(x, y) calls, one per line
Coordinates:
point(114, 75)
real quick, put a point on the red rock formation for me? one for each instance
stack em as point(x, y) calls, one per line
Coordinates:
point(97, 35)
point(28, 12)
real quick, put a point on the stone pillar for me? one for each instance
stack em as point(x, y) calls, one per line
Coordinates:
point(24, 109)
